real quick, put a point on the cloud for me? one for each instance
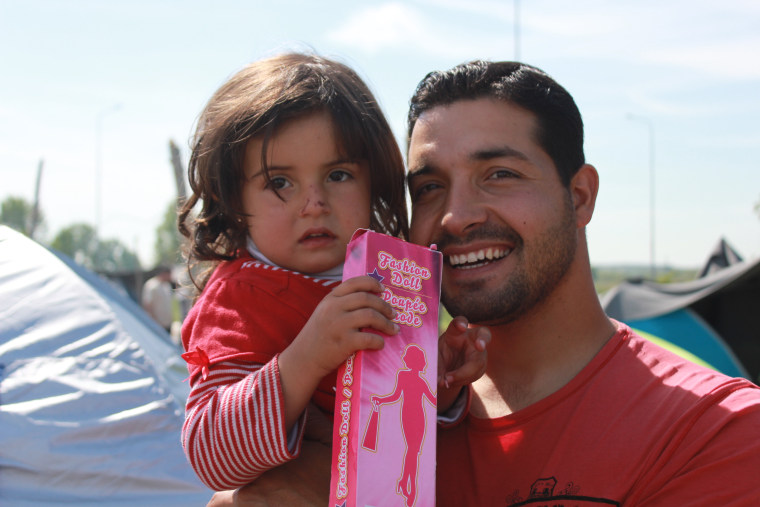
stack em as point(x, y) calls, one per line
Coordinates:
point(399, 26)
point(718, 40)
point(380, 27)
point(491, 8)
point(731, 59)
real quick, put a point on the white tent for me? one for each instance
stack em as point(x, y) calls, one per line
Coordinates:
point(91, 391)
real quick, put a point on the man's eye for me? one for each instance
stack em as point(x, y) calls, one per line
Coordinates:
point(339, 175)
point(503, 173)
point(424, 189)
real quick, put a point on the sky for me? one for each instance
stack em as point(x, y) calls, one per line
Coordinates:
point(669, 91)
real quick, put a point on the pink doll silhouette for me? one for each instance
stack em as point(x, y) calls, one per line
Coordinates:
point(412, 389)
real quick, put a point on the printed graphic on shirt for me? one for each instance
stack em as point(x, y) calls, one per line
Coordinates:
point(545, 493)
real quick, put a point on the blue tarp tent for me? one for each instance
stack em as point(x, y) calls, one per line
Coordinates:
point(91, 391)
point(714, 317)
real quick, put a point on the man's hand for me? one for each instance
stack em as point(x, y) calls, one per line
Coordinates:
point(305, 481)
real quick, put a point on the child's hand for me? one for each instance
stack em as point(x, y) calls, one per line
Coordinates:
point(462, 358)
point(337, 328)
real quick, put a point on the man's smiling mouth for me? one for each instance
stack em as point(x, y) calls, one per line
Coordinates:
point(477, 258)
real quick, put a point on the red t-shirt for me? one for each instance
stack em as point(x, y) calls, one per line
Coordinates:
point(638, 426)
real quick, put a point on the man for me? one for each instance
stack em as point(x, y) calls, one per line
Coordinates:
point(574, 409)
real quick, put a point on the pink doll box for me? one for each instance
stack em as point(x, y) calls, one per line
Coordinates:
point(385, 406)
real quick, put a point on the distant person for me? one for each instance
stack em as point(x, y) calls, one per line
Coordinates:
point(157, 297)
point(292, 155)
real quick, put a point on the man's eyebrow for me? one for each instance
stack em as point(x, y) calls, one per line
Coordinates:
point(420, 171)
point(497, 152)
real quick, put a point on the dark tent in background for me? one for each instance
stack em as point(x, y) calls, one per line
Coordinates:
point(91, 391)
point(714, 317)
point(722, 256)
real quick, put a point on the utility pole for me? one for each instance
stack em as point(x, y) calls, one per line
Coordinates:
point(517, 30)
point(650, 127)
point(179, 172)
point(36, 208)
point(98, 163)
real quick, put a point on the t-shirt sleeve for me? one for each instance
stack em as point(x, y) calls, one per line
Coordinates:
point(234, 320)
point(717, 461)
point(457, 411)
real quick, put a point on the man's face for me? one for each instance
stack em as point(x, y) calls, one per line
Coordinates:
point(488, 195)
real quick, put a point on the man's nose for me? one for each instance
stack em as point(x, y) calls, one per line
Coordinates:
point(464, 211)
point(315, 202)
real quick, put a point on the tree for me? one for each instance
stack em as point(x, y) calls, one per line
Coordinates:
point(81, 243)
point(168, 239)
point(18, 213)
point(78, 241)
point(112, 256)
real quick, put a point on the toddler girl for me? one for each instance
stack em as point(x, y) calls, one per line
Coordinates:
point(290, 157)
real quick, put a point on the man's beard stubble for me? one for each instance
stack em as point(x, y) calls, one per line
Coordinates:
point(540, 268)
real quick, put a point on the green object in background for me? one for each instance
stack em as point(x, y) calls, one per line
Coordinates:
point(676, 349)
point(445, 318)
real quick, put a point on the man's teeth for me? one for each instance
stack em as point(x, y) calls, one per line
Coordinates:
point(475, 257)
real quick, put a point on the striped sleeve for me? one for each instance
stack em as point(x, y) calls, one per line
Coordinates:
point(234, 424)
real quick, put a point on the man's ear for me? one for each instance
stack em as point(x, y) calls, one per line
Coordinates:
point(583, 189)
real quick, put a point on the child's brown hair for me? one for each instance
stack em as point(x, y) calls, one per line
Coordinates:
point(254, 103)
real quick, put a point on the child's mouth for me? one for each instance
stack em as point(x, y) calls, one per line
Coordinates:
point(316, 235)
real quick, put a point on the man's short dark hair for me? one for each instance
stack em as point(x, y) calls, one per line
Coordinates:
point(560, 127)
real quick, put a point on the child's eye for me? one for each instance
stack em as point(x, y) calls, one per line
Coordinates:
point(339, 175)
point(278, 183)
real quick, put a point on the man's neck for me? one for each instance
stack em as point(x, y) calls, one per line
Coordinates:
point(538, 354)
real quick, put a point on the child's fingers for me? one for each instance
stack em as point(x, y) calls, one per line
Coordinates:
point(371, 318)
point(362, 292)
point(457, 324)
point(481, 338)
point(357, 284)
point(471, 363)
point(366, 340)
point(364, 300)
point(465, 374)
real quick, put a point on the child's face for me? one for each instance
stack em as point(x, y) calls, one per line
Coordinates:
point(324, 198)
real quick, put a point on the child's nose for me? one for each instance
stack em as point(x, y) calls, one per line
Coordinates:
point(316, 202)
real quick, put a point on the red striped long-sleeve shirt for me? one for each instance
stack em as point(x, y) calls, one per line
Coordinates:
point(234, 425)
point(248, 313)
